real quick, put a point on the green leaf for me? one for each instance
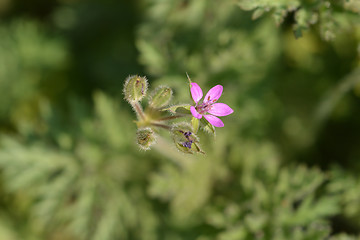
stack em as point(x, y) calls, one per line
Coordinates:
point(257, 13)
point(297, 31)
point(247, 5)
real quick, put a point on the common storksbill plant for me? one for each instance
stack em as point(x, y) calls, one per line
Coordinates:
point(158, 114)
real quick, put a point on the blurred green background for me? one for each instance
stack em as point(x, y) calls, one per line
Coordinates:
point(285, 166)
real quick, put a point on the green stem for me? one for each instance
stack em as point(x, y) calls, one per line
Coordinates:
point(139, 112)
point(327, 105)
point(161, 126)
point(170, 117)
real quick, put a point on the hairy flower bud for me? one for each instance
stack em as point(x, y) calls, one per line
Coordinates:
point(135, 88)
point(161, 97)
point(145, 138)
point(185, 140)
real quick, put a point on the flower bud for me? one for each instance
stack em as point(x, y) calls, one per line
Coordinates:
point(135, 88)
point(185, 140)
point(161, 97)
point(145, 138)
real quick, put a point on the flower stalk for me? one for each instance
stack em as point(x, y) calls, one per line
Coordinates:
point(139, 111)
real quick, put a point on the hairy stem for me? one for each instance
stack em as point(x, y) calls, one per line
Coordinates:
point(170, 117)
point(139, 111)
point(161, 126)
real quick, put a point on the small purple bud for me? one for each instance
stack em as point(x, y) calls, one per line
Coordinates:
point(187, 134)
point(187, 144)
point(185, 139)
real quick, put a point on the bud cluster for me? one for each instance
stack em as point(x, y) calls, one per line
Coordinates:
point(158, 114)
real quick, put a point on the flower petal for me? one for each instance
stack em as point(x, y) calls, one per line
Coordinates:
point(213, 94)
point(195, 113)
point(196, 92)
point(214, 120)
point(220, 109)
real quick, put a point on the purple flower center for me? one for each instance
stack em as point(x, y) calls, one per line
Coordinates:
point(203, 107)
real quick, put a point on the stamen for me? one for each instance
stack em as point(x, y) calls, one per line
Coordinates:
point(203, 107)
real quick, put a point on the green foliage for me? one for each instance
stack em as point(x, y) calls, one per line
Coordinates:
point(216, 44)
point(345, 185)
point(343, 237)
point(28, 59)
point(331, 16)
point(84, 184)
point(258, 198)
point(284, 166)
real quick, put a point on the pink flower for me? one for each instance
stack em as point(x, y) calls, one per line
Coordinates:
point(209, 108)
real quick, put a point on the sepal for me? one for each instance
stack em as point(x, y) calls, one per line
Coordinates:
point(207, 127)
point(179, 109)
point(195, 122)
